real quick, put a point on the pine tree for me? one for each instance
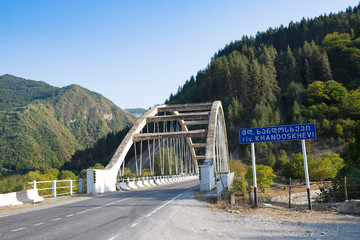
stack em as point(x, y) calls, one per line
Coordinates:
point(255, 83)
point(268, 72)
point(325, 71)
point(289, 68)
point(308, 76)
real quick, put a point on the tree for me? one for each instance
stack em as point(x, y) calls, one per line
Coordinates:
point(350, 104)
point(295, 167)
point(244, 87)
point(287, 68)
point(97, 166)
point(264, 176)
point(11, 183)
point(268, 72)
point(308, 75)
point(128, 174)
point(34, 175)
point(324, 71)
point(281, 163)
point(240, 182)
point(326, 166)
point(291, 100)
point(352, 151)
point(271, 159)
point(344, 55)
point(163, 161)
point(266, 113)
point(67, 175)
point(52, 174)
point(234, 113)
point(255, 84)
point(316, 92)
point(335, 92)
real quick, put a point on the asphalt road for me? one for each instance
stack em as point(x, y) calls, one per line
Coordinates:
point(118, 215)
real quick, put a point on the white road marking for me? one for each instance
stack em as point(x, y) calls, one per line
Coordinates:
point(105, 205)
point(164, 205)
point(70, 215)
point(134, 224)
point(38, 224)
point(18, 229)
point(90, 209)
point(55, 219)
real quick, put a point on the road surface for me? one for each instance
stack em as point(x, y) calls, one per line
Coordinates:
point(118, 215)
point(170, 212)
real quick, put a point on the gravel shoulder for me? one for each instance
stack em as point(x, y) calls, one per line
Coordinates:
point(192, 218)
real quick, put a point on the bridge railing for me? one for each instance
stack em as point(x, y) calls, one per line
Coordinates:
point(141, 182)
point(56, 188)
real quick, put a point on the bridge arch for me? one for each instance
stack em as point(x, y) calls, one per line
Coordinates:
point(202, 125)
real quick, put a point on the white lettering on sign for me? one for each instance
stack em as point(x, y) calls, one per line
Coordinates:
point(278, 133)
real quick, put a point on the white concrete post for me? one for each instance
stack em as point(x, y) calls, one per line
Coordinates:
point(71, 187)
point(34, 184)
point(54, 188)
point(80, 186)
point(207, 178)
point(90, 181)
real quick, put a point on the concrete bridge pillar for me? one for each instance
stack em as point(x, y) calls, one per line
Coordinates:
point(207, 177)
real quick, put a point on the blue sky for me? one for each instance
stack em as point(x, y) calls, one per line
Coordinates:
point(134, 53)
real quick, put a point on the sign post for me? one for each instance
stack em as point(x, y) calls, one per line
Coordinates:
point(254, 173)
point(306, 173)
point(275, 134)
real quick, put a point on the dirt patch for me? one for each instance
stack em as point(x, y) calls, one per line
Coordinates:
point(201, 217)
point(278, 221)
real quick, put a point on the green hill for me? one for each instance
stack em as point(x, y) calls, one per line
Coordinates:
point(137, 112)
point(42, 126)
point(308, 71)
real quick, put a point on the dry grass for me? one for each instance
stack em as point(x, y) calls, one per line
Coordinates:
point(243, 205)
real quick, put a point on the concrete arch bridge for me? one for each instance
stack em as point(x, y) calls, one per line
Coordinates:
point(177, 139)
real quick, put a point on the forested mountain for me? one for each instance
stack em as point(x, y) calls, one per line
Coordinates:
point(42, 126)
point(306, 72)
point(137, 112)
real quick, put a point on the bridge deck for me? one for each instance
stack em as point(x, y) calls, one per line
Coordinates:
point(182, 116)
point(202, 133)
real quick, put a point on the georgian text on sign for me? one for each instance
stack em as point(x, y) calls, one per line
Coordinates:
point(278, 133)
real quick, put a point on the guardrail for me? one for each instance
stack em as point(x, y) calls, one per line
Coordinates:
point(140, 182)
point(56, 188)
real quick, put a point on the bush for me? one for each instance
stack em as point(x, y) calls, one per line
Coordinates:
point(67, 175)
point(239, 184)
point(237, 167)
point(326, 166)
point(264, 176)
point(128, 174)
point(12, 183)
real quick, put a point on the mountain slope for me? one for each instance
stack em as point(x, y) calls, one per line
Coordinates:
point(42, 126)
point(269, 80)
